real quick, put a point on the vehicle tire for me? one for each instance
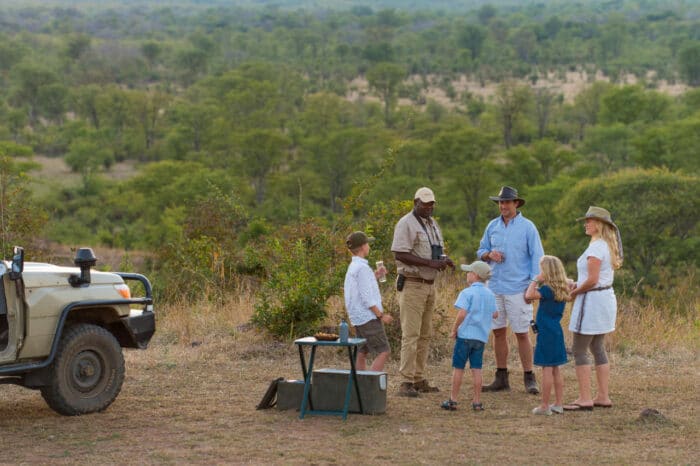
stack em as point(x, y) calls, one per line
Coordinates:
point(87, 373)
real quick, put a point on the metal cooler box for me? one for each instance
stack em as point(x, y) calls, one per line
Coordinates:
point(329, 385)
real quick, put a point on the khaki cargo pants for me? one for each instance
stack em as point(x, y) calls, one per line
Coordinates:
point(416, 305)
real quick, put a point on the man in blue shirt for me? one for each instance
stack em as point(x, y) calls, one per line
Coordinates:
point(511, 245)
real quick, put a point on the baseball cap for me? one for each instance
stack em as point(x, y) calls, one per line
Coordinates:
point(482, 269)
point(425, 195)
point(357, 239)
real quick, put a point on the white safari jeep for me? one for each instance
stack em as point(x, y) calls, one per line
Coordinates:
point(62, 330)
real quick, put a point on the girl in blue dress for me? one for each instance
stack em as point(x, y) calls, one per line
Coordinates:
point(551, 287)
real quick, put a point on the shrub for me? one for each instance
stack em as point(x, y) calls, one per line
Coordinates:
point(654, 210)
point(305, 265)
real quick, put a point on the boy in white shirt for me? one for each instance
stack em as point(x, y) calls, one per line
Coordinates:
point(364, 303)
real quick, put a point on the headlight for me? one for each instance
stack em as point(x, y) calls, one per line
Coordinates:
point(123, 290)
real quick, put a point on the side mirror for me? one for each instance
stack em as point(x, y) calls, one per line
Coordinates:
point(17, 263)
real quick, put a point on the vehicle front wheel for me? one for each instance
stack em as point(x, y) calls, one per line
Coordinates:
point(87, 373)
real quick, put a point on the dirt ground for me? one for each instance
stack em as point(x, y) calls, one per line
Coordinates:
point(196, 405)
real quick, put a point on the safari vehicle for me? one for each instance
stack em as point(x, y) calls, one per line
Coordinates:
point(62, 330)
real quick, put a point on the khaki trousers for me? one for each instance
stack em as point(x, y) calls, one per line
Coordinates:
point(416, 305)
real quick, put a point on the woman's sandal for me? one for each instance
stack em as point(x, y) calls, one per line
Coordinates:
point(577, 407)
point(478, 406)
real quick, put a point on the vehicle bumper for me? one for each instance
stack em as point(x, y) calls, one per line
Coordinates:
point(141, 326)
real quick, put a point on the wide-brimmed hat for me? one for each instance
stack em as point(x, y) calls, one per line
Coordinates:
point(425, 195)
point(357, 239)
point(598, 213)
point(508, 194)
point(604, 216)
point(480, 268)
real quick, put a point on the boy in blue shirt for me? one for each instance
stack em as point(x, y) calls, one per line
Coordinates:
point(476, 306)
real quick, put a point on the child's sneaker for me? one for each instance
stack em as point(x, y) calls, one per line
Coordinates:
point(449, 405)
point(556, 409)
point(542, 411)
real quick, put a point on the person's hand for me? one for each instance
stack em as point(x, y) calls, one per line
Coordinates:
point(437, 264)
point(571, 284)
point(450, 263)
point(380, 272)
point(496, 256)
point(453, 334)
point(527, 301)
point(386, 319)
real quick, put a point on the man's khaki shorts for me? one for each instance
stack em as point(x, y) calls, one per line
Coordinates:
point(513, 310)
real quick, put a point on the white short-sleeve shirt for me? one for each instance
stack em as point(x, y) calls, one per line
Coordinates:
point(600, 308)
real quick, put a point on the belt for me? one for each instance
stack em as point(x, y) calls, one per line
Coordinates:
point(420, 280)
point(583, 303)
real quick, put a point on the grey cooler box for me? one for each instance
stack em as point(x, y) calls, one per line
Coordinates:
point(289, 394)
point(329, 386)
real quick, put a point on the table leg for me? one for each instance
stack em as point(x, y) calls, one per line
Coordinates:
point(307, 381)
point(353, 372)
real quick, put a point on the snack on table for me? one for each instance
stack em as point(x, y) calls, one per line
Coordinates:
point(326, 336)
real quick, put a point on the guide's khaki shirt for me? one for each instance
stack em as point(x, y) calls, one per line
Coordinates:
point(409, 236)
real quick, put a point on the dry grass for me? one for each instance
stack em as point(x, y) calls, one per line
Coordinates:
point(568, 84)
point(190, 399)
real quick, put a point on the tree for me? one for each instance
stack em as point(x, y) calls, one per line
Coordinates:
point(587, 106)
point(486, 13)
point(689, 62)
point(628, 104)
point(260, 152)
point(673, 145)
point(151, 51)
point(190, 122)
point(335, 158)
point(21, 220)
point(545, 100)
point(84, 100)
point(610, 145)
point(472, 36)
point(512, 101)
point(51, 100)
point(29, 79)
point(77, 45)
point(656, 233)
point(191, 62)
point(385, 78)
point(465, 156)
point(149, 108)
point(86, 156)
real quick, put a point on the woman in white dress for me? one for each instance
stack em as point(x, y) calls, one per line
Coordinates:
point(595, 307)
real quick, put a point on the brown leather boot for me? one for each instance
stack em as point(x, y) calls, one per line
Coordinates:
point(424, 387)
point(406, 389)
point(500, 383)
point(530, 383)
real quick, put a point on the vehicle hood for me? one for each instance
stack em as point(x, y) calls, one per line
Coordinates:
point(38, 274)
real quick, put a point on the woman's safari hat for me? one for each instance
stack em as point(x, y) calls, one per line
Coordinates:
point(598, 213)
point(604, 216)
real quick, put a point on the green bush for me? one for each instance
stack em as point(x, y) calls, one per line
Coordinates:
point(306, 264)
point(656, 211)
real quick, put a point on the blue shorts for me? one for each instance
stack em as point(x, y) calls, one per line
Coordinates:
point(468, 349)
